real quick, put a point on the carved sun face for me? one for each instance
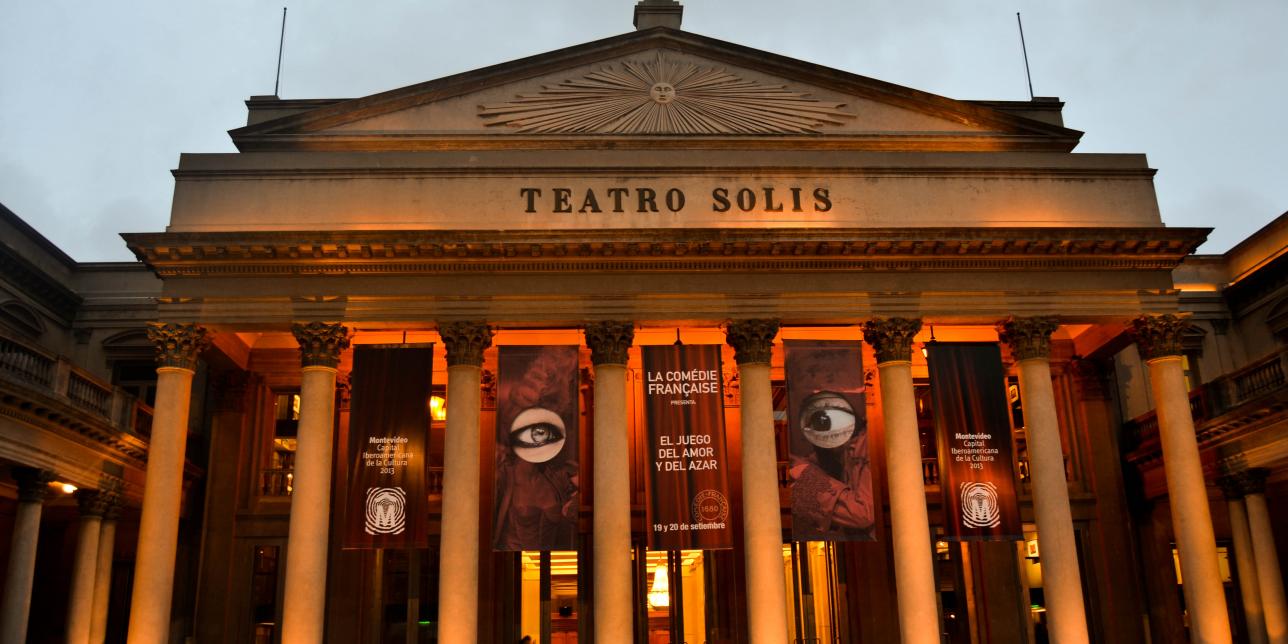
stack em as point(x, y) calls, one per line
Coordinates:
point(662, 92)
point(662, 96)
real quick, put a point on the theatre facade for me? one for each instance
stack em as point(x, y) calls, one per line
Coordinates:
point(550, 229)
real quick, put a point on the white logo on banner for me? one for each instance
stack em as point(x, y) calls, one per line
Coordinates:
point(979, 505)
point(386, 510)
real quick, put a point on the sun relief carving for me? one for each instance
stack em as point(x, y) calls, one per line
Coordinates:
point(663, 96)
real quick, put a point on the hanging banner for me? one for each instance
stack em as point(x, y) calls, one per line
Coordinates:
point(687, 481)
point(831, 474)
point(537, 427)
point(973, 435)
point(388, 440)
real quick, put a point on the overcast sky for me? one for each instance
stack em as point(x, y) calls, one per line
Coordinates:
point(97, 99)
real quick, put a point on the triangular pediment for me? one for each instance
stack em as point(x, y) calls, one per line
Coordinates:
point(655, 83)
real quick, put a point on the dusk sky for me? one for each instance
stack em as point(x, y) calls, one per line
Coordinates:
point(97, 100)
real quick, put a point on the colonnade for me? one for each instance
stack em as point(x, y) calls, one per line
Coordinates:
point(1261, 581)
point(90, 583)
point(892, 340)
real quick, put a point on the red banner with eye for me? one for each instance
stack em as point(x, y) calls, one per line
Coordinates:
point(827, 423)
point(388, 440)
point(537, 470)
point(687, 474)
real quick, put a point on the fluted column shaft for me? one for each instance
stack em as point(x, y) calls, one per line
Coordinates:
point(762, 519)
point(1245, 561)
point(103, 578)
point(458, 587)
point(80, 603)
point(614, 610)
point(15, 604)
point(1029, 339)
point(304, 594)
point(1159, 339)
point(1270, 580)
point(914, 573)
point(177, 349)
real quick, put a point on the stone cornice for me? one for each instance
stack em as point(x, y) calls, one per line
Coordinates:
point(348, 141)
point(786, 164)
point(38, 284)
point(412, 252)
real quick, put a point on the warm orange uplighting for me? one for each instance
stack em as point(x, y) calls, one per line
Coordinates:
point(437, 408)
point(67, 488)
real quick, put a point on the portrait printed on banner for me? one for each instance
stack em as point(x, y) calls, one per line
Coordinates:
point(537, 422)
point(829, 467)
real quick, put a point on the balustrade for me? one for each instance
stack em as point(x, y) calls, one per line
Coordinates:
point(1217, 397)
point(56, 377)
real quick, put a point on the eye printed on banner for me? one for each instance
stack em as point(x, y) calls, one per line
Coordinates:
point(827, 420)
point(979, 505)
point(386, 510)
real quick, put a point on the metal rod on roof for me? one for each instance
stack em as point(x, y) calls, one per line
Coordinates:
point(281, 42)
point(1023, 48)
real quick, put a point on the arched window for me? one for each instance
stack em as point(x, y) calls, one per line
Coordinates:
point(21, 318)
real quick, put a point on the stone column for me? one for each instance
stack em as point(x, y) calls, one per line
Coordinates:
point(80, 604)
point(304, 594)
point(1159, 340)
point(177, 348)
point(1030, 343)
point(1270, 577)
point(103, 573)
point(914, 572)
point(15, 604)
point(762, 523)
point(458, 586)
point(614, 608)
point(1244, 560)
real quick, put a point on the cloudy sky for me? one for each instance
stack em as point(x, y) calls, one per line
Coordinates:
point(97, 99)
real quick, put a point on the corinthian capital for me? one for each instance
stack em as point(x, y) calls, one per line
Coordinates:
point(891, 338)
point(178, 345)
point(95, 503)
point(1159, 336)
point(1028, 337)
point(466, 342)
point(320, 343)
point(752, 340)
point(33, 484)
point(609, 341)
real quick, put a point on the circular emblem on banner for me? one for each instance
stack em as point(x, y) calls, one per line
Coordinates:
point(386, 510)
point(979, 505)
point(710, 506)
